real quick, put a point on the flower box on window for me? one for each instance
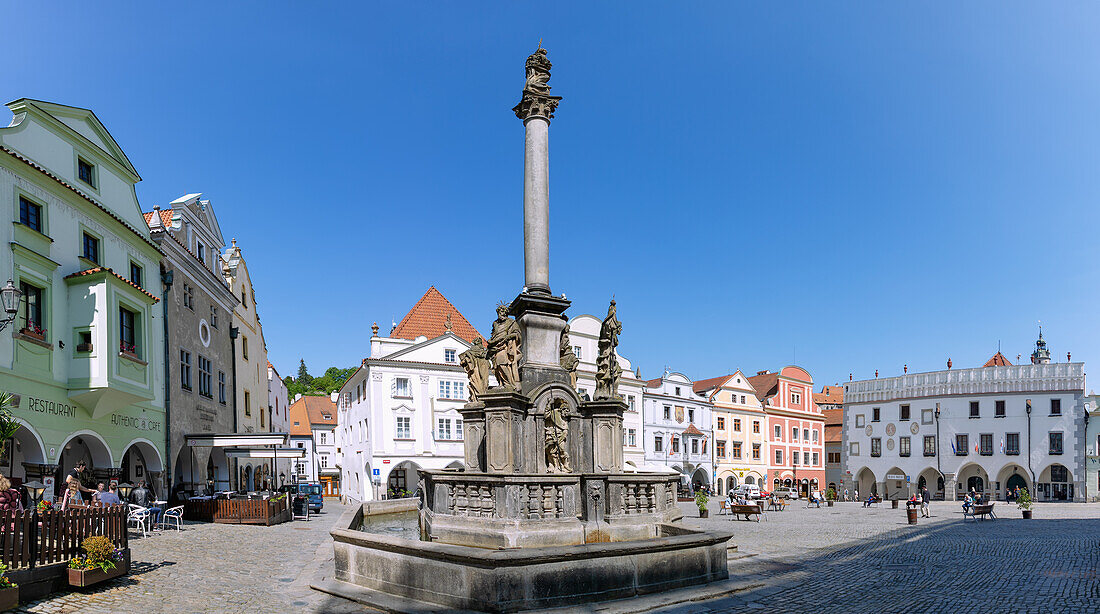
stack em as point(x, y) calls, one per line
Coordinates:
point(34, 332)
point(83, 347)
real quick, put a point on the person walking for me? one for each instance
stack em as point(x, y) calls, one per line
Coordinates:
point(925, 500)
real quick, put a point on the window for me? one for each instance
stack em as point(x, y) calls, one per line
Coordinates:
point(200, 251)
point(205, 377)
point(244, 301)
point(247, 403)
point(816, 435)
point(188, 297)
point(404, 427)
point(401, 387)
point(213, 317)
point(677, 391)
point(658, 444)
point(443, 429)
point(1012, 444)
point(832, 458)
point(1056, 407)
point(756, 426)
point(853, 448)
point(30, 214)
point(903, 446)
point(736, 449)
point(694, 445)
point(324, 457)
point(262, 418)
point(449, 389)
point(929, 445)
point(985, 441)
point(903, 412)
point(630, 402)
point(85, 344)
point(859, 421)
point(975, 410)
point(779, 457)
point(458, 428)
point(805, 434)
point(91, 248)
point(794, 457)
point(876, 446)
point(756, 451)
point(221, 387)
point(185, 369)
point(1056, 443)
point(737, 425)
point(778, 433)
point(720, 449)
point(999, 409)
point(794, 434)
point(1058, 473)
point(721, 423)
point(876, 413)
point(926, 416)
point(962, 444)
point(449, 356)
point(631, 437)
point(796, 399)
point(742, 399)
point(675, 444)
point(135, 274)
point(577, 351)
point(32, 306)
point(85, 171)
point(244, 347)
point(127, 333)
point(816, 459)
point(691, 416)
point(668, 411)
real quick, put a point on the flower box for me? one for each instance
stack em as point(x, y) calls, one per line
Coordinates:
point(84, 347)
point(9, 598)
point(34, 333)
point(88, 577)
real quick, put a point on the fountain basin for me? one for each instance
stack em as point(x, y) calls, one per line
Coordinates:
point(511, 579)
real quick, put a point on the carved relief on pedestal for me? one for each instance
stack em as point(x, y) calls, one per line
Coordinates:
point(556, 432)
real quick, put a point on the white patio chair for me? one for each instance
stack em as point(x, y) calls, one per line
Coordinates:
point(138, 515)
point(172, 515)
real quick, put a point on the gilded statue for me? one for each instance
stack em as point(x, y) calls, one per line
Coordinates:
point(607, 362)
point(556, 434)
point(504, 349)
point(476, 364)
point(569, 360)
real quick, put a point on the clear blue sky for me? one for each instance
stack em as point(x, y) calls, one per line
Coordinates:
point(851, 189)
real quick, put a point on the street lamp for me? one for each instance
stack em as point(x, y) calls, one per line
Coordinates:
point(35, 489)
point(9, 300)
point(282, 478)
point(124, 490)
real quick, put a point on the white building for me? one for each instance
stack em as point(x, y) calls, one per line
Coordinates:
point(677, 428)
point(278, 408)
point(399, 412)
point(584, 334)
point(318, 415)
point(989, 429)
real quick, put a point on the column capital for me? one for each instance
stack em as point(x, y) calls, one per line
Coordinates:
point(537, 101)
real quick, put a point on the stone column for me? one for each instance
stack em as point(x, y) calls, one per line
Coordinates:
point(536, 205)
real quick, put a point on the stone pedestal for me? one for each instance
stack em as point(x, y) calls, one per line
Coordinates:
point(602, 436)
point(473, 434)
point(949, 485)
point(541, 322)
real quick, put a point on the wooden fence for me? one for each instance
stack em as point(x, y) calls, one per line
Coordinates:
point(31, 538)
point(240, 511)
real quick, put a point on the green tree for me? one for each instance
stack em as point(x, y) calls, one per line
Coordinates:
point(304, 378)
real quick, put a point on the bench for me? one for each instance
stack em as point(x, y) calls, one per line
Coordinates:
point(980, 511)
point(778, 504)
point(747, 511)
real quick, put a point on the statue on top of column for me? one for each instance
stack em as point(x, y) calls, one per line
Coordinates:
point(569, 360)
point(504, 349)
point(607, 362)
point(537, 101)
point(476, 363)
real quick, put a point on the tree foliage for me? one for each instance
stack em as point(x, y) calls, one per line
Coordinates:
point(306, 384)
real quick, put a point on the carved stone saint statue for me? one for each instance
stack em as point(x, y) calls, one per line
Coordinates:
point(538, 73)
point(569, 360)
point(607, 363)
point(476, 363)
point(504, 349)
point(557, 432)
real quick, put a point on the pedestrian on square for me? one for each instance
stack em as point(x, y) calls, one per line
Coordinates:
point(845, 494)
point(856, 498)
point(925, 500)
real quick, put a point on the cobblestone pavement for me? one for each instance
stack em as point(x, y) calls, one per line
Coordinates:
point(853, 559)
point(219, 568)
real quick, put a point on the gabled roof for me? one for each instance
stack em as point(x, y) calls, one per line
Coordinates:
point(315, 409)
point(165, 217)
point(653, 383)
point(998, 360)
point(765, 384)
point(428, 318)
point(691, 430)
point(833, 417)
point(109, 271)
point(704, 385)
point(299, 420)
point(830, 395)
point(450, 334)
point(59, 112)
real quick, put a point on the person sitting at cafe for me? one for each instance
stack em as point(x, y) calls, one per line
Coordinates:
point(73, 487)
point(145, 498)
point(10, 498)
point(110, 496)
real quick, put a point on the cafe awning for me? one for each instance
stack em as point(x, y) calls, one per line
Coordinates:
point(226, 440)
point(265, 453)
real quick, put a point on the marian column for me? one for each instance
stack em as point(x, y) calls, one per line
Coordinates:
point(538, 313)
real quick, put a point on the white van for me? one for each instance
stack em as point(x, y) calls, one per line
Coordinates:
point(748, 491)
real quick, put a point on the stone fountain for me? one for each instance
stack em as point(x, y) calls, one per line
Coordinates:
point(542, 513)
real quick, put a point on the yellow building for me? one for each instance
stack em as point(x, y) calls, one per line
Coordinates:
point(740, 445)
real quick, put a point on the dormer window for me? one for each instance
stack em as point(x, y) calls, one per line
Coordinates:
point(449, 356)
point(85, 171)
point(200, 250)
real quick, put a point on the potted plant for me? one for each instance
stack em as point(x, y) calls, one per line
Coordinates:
point(101, 561)
point(830, 496)
point(9, 591)
point(701, 500)
point(33, 331)
point(1024, 503)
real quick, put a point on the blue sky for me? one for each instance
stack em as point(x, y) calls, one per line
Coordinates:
point(851, 190)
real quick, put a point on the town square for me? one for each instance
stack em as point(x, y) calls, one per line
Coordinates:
point(291, 323)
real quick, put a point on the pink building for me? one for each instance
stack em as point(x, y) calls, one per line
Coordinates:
point(795, 429)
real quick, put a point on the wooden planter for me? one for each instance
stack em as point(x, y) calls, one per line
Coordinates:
point(1027, 514)
point(9, 598)
point(704, 513)
point(89, 577)
point(829, 502)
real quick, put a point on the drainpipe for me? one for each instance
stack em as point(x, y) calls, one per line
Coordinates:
point(166, 279)
point(233, 333)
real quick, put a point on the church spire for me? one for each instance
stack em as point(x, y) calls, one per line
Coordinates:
point(1041, 355)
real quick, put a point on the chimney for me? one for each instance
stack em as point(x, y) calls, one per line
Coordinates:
point(1069, 357)
point(297, 397)
point(948, 363)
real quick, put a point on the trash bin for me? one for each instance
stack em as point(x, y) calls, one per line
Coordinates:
point(911, 512)
point(894, 503)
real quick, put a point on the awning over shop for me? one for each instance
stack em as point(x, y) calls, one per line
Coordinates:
point(226, 440)
point(265, 453)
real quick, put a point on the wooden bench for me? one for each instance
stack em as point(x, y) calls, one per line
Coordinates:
point(747, 511)
point(980, 511)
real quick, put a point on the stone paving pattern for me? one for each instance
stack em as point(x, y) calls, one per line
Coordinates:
point(841, 559)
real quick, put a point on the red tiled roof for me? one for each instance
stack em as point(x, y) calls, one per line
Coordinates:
point(315, 409)
point(103, 269)
point(653, 383)
point(834, 434)
point(165, 216)
point(704, 385)
point(830, 395)
point(765, 384)
point(833, 417)
point(998, 360)
point(299, 419)
point(428, 318)
point(691, 430)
